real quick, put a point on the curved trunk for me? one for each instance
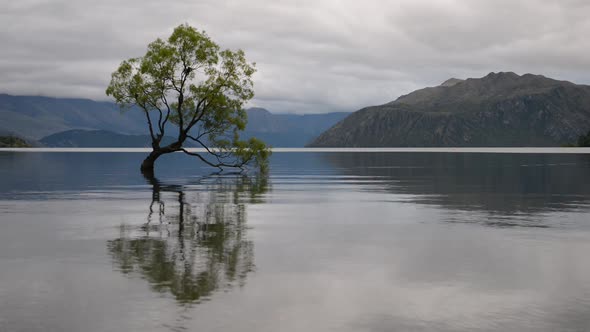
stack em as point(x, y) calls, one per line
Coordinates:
point(147, 166)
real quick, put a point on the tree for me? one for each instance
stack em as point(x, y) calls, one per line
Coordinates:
point(188, 83)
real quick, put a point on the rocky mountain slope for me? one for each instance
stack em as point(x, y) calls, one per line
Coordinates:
point(500, 109)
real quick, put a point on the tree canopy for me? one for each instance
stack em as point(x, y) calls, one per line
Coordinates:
point(188, 84)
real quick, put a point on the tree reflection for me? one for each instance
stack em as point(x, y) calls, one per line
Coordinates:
point(194, 240)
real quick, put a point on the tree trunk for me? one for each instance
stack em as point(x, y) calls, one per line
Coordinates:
point(147, 166)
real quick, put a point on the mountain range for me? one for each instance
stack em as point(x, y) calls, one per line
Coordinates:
point(500, 109)
point(64, 122)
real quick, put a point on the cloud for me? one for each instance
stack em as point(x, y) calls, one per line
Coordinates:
point(312, 56)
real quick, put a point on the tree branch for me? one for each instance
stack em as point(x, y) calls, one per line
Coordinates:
point(149, 121)
point(218, 156)
point(196, 119)
point(163, 125)
point(219, 165)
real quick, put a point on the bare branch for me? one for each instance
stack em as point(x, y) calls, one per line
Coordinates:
point(149, 121)
point(163, 125)
point(219, 165)
point(218, 156)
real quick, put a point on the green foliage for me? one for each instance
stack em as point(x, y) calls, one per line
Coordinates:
point(255, 150)
point(13, 142)
point(189, 83)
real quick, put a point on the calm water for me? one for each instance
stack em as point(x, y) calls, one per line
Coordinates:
point(327, 242)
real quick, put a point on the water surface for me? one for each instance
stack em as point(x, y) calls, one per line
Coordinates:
point(328, 241)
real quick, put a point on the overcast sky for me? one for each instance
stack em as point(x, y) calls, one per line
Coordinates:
point(312, 55)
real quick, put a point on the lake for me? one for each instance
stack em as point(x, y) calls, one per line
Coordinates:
point(328, 241)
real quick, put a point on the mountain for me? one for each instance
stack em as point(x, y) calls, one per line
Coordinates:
point(98, 139)
point(500, 109)
point(35, 117)
point(288, 130)
point(88, 123)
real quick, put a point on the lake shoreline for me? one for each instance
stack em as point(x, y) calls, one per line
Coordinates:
point(519, 150)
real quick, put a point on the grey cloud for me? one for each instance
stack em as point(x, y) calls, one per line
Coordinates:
point(312, 56)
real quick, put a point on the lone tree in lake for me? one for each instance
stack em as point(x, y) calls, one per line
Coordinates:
point(189, 85)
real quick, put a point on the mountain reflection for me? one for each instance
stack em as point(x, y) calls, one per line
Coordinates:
point(499, 184)
point(194, 240)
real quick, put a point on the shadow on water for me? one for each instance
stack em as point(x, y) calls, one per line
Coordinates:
point(194, 240)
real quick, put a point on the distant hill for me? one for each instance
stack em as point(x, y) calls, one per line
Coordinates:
point(288, 130)
point(98, 139)
point(87, 123)
point(500, 109)
point(36, 117)
point(13, 142)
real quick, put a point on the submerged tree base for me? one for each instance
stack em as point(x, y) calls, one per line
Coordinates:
point(147, 166)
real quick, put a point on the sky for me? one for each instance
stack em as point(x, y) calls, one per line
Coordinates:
point(312, 56)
